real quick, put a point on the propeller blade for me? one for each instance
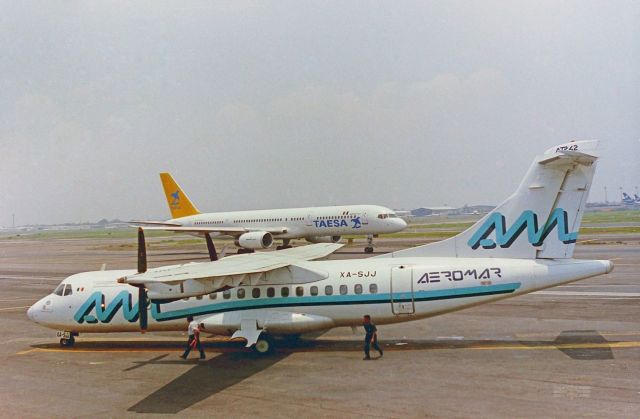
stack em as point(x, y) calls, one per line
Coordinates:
point(142, 252)
point(143, 302)
point(213, 255)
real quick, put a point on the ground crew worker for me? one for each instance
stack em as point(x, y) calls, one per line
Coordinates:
point(194, 339)
point(371, 337)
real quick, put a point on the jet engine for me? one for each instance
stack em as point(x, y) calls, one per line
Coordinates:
point(323, 239)
point(255, 240)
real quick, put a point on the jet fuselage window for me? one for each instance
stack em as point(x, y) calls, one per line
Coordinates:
point(328, 290)
point(213, 296)
point(271, 292)
point(313, 290)
point(299, 291)
point(241, 292)
point(373, 288)
point(357, 289)
point(343, 290)
point(255, 293)
point(68, 290)
point(226, 294)
point(284, 291)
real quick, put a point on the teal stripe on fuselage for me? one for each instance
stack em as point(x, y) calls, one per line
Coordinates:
point(328, 300)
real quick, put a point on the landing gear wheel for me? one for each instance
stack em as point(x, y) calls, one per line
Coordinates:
point(263, 346)
point(67, 343)
point(368, 249)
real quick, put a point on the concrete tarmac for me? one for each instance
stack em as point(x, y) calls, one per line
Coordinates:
point(570, 351)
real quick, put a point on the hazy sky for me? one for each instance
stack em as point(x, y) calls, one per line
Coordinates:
point(276, 104)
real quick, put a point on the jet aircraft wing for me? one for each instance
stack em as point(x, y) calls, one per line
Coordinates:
point(223, 230)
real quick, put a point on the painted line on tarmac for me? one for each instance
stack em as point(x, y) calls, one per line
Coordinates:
point(408, 347)
point(19, 298)
point(589, 294)
point(13, 308)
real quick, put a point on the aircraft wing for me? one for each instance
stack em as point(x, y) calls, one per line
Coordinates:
point(152, 223)
point(222, 230)
point(192, 279)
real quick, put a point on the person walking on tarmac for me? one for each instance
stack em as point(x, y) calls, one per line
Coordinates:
point(371, 337)
point(194, 339)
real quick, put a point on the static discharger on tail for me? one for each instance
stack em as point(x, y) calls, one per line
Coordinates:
point(254, 230)
point(526, 244)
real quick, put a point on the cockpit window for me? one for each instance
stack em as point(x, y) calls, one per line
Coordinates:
point(68, 290)
point(383, 216)
point(59, 290)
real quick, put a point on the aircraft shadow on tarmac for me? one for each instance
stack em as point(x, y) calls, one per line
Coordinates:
point(235, 363)
point(203, 380)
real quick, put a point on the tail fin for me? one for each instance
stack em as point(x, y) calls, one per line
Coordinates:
point(552, 196)
point(179, 203)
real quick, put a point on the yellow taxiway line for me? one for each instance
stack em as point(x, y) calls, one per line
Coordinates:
point(409, 347)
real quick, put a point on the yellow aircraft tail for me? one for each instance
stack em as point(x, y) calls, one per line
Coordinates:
point(179, 203)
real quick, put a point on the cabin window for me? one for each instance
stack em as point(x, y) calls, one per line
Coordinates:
point(313, 290)
point(284, 291)
point(198, 297)
point(357, 288)
point(255, 293)
point(213, 296)
point(271, 292)
point(241, 292)
point(226, 294)
point(299, 291)
point(373, 288)
point(328, 290)
point(59, 290)
point(68, 290)
point(343, 289)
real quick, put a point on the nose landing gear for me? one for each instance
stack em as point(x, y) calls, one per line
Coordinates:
point(67, 339)
point(369, 248)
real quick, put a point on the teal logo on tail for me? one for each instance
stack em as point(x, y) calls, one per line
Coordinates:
point(528, 220)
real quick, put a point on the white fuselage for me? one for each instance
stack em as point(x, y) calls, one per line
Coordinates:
point(303, 222)
point(390, 290)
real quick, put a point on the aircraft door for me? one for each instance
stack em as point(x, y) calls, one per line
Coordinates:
point(402, 290)
point(308, 220)
point(365, 219)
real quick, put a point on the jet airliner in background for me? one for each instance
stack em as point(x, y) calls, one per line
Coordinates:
point(525, 244)
point(257, 229)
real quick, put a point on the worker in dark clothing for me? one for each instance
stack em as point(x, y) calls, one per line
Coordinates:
point(371, 337)
point(194, 339)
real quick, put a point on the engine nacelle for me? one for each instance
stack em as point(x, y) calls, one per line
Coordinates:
point(255, 240)
point(323, 239)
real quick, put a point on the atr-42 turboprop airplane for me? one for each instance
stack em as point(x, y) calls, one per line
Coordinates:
point(256, 229)
point(526, 244)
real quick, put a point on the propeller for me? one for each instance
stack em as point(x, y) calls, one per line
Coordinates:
point(143, 300)
point(213, 255)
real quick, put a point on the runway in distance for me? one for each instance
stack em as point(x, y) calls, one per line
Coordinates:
point(257, 229)
point(525, 244)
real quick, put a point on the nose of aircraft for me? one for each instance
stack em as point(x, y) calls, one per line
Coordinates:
point(31, 313)
point(402, 224)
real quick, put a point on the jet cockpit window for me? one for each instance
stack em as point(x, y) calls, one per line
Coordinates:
point(59, 290)
point(68, 290)
point(383, 216)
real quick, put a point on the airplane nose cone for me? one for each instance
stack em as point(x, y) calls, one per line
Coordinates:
point(31, 313)
point(402, 223)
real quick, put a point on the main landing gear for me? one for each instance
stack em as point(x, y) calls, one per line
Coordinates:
point(369, 248)
point(285, 245)
point(264, 345)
